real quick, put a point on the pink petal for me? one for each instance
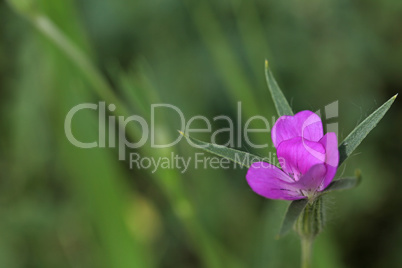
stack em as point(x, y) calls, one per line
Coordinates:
point(330, 143)
point(304, 124)
point(313, 179)
point(269, 181)
point(298, 155)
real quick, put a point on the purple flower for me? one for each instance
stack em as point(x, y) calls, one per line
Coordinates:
point(309, 159)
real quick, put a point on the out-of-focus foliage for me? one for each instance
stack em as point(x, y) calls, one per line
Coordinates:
point(61, 206)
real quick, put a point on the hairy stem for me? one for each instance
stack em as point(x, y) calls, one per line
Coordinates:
point(306, 248)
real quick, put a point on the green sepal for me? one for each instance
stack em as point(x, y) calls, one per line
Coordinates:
point(293, 212)
point(311, 221)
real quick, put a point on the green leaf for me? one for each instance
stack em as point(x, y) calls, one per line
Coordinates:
point(344, 183)
point(239, 157)
point(362, 130)
point(292, 214)
point(281, 104)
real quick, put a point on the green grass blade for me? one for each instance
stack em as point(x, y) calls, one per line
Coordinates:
point(236, 156)
point(281, 104)
point(353, 140)
point(294, 210)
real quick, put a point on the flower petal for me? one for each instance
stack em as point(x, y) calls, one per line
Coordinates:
point(313, 179)
point(304, 124)
point(269, 181)
point(298, 155)
point(330, 143)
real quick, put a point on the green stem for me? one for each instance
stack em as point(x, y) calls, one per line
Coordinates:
point(309, 224)
point(306, 248)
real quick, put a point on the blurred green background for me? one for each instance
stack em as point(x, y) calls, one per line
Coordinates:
point(62, 206)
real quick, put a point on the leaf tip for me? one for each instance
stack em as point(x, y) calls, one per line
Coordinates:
point(181, 133)
point(266, 64)
point(394, 97)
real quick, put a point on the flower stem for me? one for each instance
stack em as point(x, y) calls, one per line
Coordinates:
point(306, 247)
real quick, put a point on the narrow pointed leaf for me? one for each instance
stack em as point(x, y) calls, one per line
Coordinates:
point(344, 183)
point(362, 130)
point(239, 157)
point(294, 210)
point(281, 104)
